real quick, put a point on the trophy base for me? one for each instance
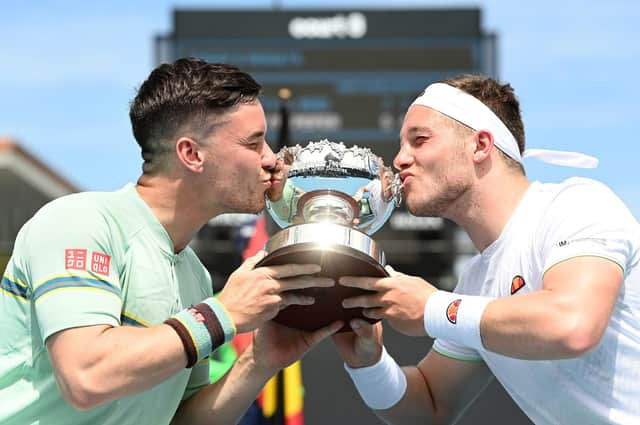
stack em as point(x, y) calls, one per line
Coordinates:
point(340, 251)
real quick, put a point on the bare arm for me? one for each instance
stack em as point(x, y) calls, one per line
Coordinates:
point(565, 319)
point(226, 400)
point(274, 347)
point(98, 364)
point(438, 389)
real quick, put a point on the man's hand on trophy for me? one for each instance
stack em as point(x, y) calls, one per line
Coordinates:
point(277, 346)
point(399, 298)
point(363, 346)
point(253, 296)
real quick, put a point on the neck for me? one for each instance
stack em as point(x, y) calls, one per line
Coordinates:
point(486, 210)
point(178, 210)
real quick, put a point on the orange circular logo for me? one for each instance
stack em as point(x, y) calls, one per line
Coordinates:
point(452, 311)
point(517, 283)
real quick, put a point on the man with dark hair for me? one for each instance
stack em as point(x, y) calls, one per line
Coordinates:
point(108, 315)
point(550, 305)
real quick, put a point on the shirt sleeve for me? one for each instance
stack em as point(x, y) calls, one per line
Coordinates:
point(587, 219)
point(455, 351)
point(71, 268)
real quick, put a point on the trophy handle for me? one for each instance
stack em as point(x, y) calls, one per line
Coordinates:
point(392, 186)
point(396, 190)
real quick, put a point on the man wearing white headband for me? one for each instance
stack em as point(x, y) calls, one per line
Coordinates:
point(551, 304)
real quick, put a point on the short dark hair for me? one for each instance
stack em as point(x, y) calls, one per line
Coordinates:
point(502, 101)
point(181, 94)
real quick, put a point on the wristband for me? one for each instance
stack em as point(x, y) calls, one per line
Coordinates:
point(202, 328)
point(228, 327)
point(381, 385)
point(455, 317)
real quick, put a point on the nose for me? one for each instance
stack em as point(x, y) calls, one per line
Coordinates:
point(268, 157)
point(403, 158)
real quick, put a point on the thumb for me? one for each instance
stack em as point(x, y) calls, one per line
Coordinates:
point(362, 328)
point(391, 271)
point(251, 262)
point(322, 333)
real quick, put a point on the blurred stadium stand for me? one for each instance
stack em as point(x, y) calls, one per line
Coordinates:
point(26, 184)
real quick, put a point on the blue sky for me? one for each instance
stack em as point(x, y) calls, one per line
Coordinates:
point(68, 70)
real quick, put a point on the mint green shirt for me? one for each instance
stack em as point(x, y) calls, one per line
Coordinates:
point(91, 259)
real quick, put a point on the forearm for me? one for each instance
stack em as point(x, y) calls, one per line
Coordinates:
point(273, 348)
point(396, 395)
point(565, 319)
point(119, 362)
point(416, 405)
point(226, 400)
point(538, 325)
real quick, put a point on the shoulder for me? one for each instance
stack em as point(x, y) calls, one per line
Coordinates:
point(579, 189)
point(77, 203)
point(586, 218)
point(73, 210)
point(585, 198)
point(75, 217)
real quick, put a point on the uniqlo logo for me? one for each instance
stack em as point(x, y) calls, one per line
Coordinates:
point(100, 263)
point(75, 259)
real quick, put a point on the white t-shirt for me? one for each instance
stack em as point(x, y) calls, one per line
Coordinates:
point(552, 223)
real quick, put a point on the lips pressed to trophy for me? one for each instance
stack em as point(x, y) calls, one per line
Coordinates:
point(334, 197)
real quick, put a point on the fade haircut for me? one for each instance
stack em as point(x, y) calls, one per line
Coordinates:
point(502, 101)
point(182, 96)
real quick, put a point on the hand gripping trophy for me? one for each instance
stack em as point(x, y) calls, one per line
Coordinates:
point(332, 199)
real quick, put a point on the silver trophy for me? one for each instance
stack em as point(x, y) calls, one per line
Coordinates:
point(333, 199)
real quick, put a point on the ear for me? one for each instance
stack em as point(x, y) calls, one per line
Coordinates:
point(190, 154)
point(483, 146)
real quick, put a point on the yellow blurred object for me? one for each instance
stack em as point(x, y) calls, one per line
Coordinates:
point(270, 397)
point(293, 390)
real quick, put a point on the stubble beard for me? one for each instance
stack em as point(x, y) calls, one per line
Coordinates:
point(253, 204)
point(243, 200)
point(439, 205)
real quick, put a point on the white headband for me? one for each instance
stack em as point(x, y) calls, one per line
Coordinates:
point(468, 110)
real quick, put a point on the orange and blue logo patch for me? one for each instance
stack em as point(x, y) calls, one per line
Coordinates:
point(452, 311)
point(517, 283)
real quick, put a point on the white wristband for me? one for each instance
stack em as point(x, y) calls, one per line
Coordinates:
point(381, 385)
point(455, 317)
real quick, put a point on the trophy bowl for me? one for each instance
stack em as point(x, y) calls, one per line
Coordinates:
point(333, 198)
